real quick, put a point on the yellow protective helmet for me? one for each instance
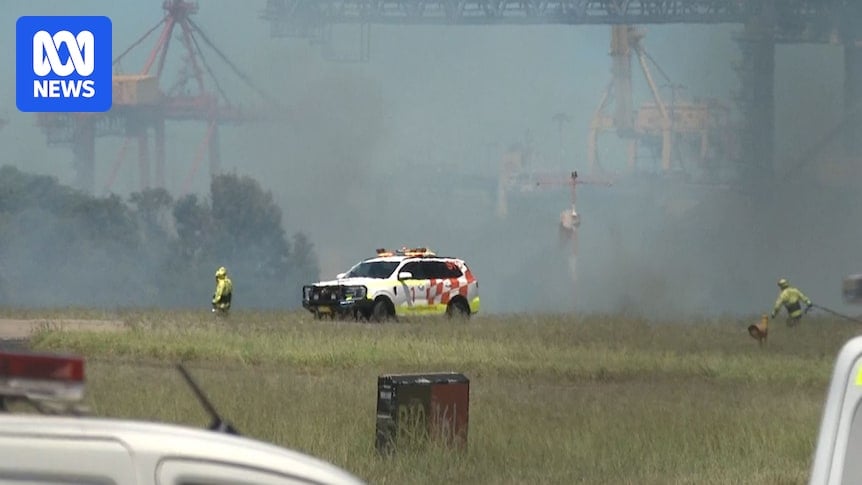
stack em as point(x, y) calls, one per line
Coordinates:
point(221, 272)
point(783, 283)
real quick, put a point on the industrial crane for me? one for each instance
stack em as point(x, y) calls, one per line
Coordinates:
point(703, 122)
point(143, 102)
point(669, 125)
point(765, 24)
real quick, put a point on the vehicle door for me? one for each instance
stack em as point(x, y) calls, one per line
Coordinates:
point(48, 459)
point(412, 289)
point(189, 471)
point(443, 282)
point(426, 288)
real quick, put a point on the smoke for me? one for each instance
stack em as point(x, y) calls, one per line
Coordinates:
point(668, 250)
point(43, 264)
point(334, 145)
point(396, 152)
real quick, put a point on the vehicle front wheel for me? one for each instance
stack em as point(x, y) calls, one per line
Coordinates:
point(382, 311)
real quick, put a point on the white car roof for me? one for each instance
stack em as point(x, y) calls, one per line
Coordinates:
point(149, 440)
point(403, 258)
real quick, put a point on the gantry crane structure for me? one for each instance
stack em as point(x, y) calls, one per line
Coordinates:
point(765, 24)
point(703, 123)
point(669, 126)
point(143, 102)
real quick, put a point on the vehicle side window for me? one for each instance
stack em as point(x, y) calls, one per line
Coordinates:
point(442, 270)
point(416, 268)
point(429, 270)
point(452, 270)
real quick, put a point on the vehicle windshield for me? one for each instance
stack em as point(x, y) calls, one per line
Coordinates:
point(374, 269)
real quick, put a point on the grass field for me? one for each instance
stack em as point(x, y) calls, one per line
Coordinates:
point(554, 399)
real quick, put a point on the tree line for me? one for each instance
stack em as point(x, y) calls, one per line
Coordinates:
point(63, 247)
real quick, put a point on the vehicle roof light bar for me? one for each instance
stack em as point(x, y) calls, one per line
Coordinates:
point(41, 376)
point(405, 251)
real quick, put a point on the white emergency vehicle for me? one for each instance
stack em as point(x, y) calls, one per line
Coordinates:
point(839, 443)
point(397, 283)
point(62, 446)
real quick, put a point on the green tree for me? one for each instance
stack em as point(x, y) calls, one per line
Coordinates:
point(304, 265)
point(194, 226)
point(250, 237)
point(61, 246)
point(153, 208)
point(248, 225)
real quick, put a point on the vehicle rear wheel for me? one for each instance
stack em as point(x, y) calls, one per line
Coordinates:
point(458, 309)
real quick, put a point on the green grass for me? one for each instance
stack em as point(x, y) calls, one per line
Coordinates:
point(554, 399)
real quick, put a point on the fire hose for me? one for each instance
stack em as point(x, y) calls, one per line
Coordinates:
point(759, 330)
point(841, 315)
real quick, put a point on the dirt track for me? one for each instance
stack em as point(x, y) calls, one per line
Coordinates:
point(14, 333)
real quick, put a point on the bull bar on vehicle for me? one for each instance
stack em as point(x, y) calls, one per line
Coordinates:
point(340, 299)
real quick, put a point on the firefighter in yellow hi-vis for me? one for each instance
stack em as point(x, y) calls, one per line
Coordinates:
point(792, 299)
point(223, 290)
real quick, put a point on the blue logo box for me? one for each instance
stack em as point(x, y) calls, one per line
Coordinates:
point(63, 63)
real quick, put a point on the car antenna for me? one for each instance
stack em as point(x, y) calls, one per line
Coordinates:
point(218, 424)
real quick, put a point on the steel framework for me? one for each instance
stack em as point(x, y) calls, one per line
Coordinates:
point(795, 15)
point(142, 104)
point(670, 124)
point(765, 24)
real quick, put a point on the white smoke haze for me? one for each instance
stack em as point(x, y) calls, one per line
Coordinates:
point(405, 150)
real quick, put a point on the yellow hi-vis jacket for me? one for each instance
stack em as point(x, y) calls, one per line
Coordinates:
point(791, 298)
point(222, 296)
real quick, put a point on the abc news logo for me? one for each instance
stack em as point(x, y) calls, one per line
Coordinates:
point(63, 64)
point(80, 60)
